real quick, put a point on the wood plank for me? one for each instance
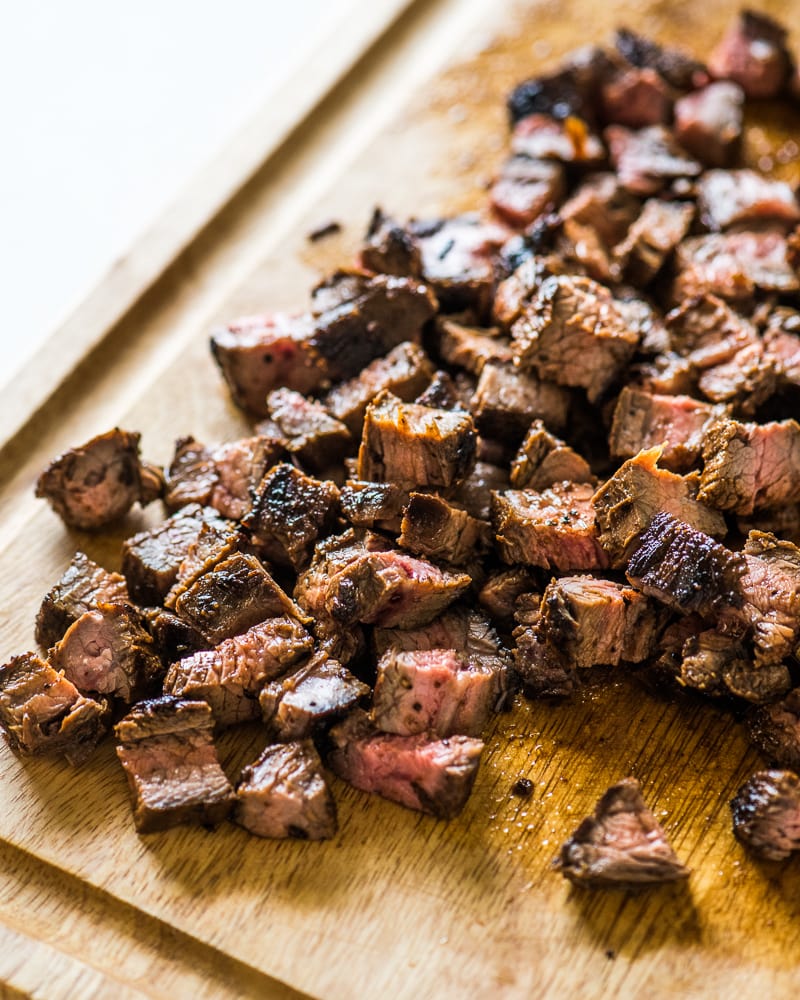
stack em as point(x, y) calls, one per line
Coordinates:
point(397, 904)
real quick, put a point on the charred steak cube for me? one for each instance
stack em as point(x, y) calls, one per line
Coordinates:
point(736, 197)
point(708, 122)
point(312, 435)
point(507, 400)
point(766, 814)
point(475, 493)
point(652, 238)
point(677, 67)
point(543, 460)
point(470, 347)
point(284, 794)
point(718, 663)
point(374, 505)
point(210, 547)
point(169, 758)
point(433, 776)
point(526, 188)
point(434, 528)
point(621, 844)
point(389, 248)
point(97, 483)
point(775, 730)
point(647, 159)
point(498, 595)
point(83, 586)
point(42, 712)
point(708, 331)
point(753, 53)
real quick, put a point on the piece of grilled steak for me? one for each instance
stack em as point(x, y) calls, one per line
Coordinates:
point(526, 188)
point(728, 198)
point(173, 637)
point(717, 663)
point(435, 691)
point(708, 122)
point(675, 66)
point(652, 238)
point(97, 483)
point(211, 547)
point(775, 730)
point(319, 689)
point(476, 492)
point(545, 137)
point(230, 676)
point(434, 528)
point(284, 794)
point(433, 776)
point(754, 54)
point(766, 814)
point(316, 439)
point(621, 844)
point(507, 400)
point(83, 586)
point(42, 712)
point(648, 159)
point(107, 651)
point(708, 332)
point(389, 248)
point(544, 459)
point(498, 595)
point(374, 505)
point(174, 774)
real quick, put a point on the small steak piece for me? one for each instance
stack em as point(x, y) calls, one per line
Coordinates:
point(405, 372)
point(97, 483)
point(42, 712)
point(568, 140)
point(230, 676)
point(736, 197)
point(526, 189)
point(170, 761)
point(435, 691)
point(434, 528)
point(677, 67)
point(415, 446)
point(678, 424)
point(745, 382)
point(651, 238)
point(707, 331)
point(637, 98)
point(621, 844)
point(782, 344)
point(602, 205)
point(775, 730)
point(374, 505)
point(470, 347)
point(231, 597)
point(151, 559)
point(751, 466)
point(517, 289)
point(567, 92)
point(685, 568)
point(498, 596)
point(554, 529)
point(433, 776)
point(573, 334)
point(107, 651)
point(83, 586)
point(389, 248)
point(443, 393)
point(311, 434)
point(543, 459)
point(475, 493)
point(507, 400)
point(209, 548)
point(647, 159)
point(642, 317)
point(173, 638)
point(284, 794)
point(766, 814)
point(321, 688)
point(290, 513)
point(753, 53)
point(708, 123)
point(717, 663)
point(257, 354)
point(626, 504)
point(544, 670)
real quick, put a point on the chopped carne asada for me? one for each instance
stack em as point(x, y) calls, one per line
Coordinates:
point(775, 730)
point(766, 814)
point(83, 586)
point(434, 528)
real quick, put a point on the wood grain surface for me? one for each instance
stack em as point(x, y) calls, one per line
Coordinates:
point(398, 904)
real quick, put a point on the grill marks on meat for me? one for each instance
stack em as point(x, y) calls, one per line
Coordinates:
point(753, 53)
point(169, 758)
point(766, 814)
point(621, 844)
point(284, 794)
point(97, 483)
point(374, 505)
point(83, 586)
point(434, 528)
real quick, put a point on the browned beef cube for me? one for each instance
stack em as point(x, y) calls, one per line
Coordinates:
point(542, 137)
point(475, 493)
point(782, 344)
point(221, 477)
point(436, 691)
point(470, 347)
point(231, 676)
point(231, 597)
point(389, 248)
point(677, 424)
point(167, 751)
point(677, 67)
point(284, 794)
point(443, 393)
point(151, 559)
point(544, 670)
point(42, 712)
point(527, 188)
point(717, 663)
point(573, 334)
point(83, 586)
point(652, 237)
point(520, 286)
point(405, 372)
point(602, 205)
point(621, 844)
point(107, 651)
point(433, 776)
point(637, 98)
point(320, 688)
point(736, 197)
point(260, 353)
point(647, 159)
point(498, 596)
point(685, 568)
point(543, 459)
point(644, 320)
point(97, 483)
point(626, 504)
point(211, 546)
point(775, 730)
point(708, 123)
point(374, 505)
point(507, 400)
point(311, 434)
point(434, 528)
point(708, 331)
point(751, 466)
point(745, 382)
point(554, 528)
point(568, 91)
point(669, 373)
point(766, 814)
point(172, 636)
point(290, 513)
point(753, 53)
point(415, 446)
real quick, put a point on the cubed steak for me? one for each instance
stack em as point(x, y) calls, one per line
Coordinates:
point(675, 66)
point(210, 547)
point(621, 844)
point(718, 663)
point(436, 691)
point(652, 238)
point(316, 439)
point(83, 586)
point(544, 459)
point(444, 392)
point(728, 198)
point(230, 676)
point(498, 595)
point(98, 482)
point(434, 528)
point(284, 794)
point(766, 814)
point(744, 383)
point(475, 493)
point(566, 140)
point(708, 122)
point(775, 730)
point(170, 761)
point(526, 188)
point(42, 712)
point(648, 159)
point(754, 54)
point(569, 91)
point(433, 776)
point(374, 505)
point(507, 400)
point(389, 248)
point(708, 332)
point(637, 98)
point(470, 347)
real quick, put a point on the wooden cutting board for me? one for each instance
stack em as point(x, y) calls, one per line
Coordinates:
point(397, 905)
